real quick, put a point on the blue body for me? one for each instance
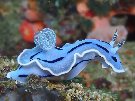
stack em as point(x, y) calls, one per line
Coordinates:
point(66, 62)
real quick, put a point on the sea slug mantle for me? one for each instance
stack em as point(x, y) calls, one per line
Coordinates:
point(64, 63)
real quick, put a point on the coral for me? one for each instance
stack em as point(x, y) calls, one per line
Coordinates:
point(77, 92)
point(123, 5)
point(86, 24)
point(99, 8)
point(33, 20)
point(82, 8)
point(6, 65)
point(103, 12)
point(71, 91)
point(102, 30)
point(102, 83)
point(4, 85)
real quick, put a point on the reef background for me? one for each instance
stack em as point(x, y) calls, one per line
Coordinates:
point(61, 15)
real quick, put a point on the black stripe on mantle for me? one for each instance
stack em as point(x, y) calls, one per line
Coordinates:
point(79, 46)
point(58, 48)
point(80, 62)
point(103, 48)
point(35, 55)
point(50, 75)
point(53, 61)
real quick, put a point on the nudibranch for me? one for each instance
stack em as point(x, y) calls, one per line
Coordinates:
point(55, 63)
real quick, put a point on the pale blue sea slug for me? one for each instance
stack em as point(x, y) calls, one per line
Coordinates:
point(55, 63)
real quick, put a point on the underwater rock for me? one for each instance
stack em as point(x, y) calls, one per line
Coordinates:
point(59, 91)
point(40, 89)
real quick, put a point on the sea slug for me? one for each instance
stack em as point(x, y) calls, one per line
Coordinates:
point(55, 63)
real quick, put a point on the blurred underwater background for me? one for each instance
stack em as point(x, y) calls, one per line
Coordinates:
point(71, 20)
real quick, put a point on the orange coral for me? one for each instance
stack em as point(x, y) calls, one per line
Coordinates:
point(28, 29)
